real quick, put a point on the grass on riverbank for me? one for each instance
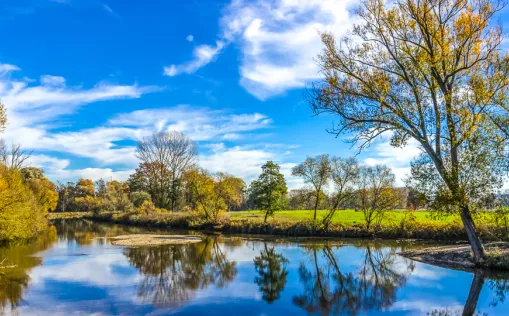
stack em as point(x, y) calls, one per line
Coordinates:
point(346, 223)
point(342, 217)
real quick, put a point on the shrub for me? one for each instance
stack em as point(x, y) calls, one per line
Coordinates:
point(140, 197)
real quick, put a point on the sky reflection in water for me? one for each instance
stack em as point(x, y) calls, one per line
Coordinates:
point(74, 269)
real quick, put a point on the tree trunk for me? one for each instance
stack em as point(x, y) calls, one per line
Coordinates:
point(266, 214)
point(473, 238)
point(473, 295)
point(316, 204)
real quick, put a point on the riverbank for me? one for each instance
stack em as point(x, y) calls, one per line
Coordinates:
point(402, 228)
point(460, 257)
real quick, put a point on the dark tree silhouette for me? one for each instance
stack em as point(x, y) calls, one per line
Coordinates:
point(271, 269)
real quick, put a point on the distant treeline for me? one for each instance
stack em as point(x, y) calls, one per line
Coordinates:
point(168, 179)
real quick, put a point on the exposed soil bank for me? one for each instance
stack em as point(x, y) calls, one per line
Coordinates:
point(445, 232)
point(153, 240)
point(460, 256)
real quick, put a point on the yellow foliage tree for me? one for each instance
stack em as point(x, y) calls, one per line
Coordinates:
point(21, 214)
point(210, 196)
point(430, 71)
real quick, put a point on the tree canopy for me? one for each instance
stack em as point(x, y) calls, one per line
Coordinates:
point(269, 191)
point(427, 70)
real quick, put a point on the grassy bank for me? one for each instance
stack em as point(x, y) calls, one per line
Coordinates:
point(347, 223)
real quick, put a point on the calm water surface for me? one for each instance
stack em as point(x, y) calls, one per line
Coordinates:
point(74, 270)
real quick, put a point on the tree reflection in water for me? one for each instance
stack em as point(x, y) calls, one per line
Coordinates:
point(498, 283)
point(173, 273)
point(328, 290)
point(16, 263)
point(270, 267)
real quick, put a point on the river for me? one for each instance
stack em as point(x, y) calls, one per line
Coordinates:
point(74, 269)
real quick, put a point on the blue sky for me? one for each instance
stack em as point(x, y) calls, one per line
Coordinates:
point(83, 80)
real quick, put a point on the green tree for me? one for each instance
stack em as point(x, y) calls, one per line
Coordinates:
point(269, 191)
point(138, 198)
point(271, 269)
point(427, 70)
point(315, 171)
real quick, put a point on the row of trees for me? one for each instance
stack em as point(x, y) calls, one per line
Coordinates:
point(168, 179)
point(26, 195)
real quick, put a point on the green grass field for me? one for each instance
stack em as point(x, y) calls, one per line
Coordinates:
point(345, 217)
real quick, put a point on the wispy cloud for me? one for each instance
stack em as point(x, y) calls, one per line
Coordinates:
point(199, 123)
point(108, 9)
point(29, 103)
point(279, 41)
point(202, 55)
point(398, 159)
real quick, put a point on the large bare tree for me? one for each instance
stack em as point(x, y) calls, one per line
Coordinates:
point(174, 153)
point(428, 70)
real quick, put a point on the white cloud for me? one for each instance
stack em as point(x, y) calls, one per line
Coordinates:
point(28, 105)
point(398, 159)
point(52, 80)
point(34, 110)
point(47, 162)
point(279, 41)
point(202, 55)
point(246, 162)
point(198, 123)
point(6, 68)
point(56, 168)
point(189, 38)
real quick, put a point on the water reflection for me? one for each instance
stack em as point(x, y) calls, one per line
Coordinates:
point(16, 261)
point(172, 273)
point(83, 273)
point(87, 233)
point(270, 268)
point(329, 290)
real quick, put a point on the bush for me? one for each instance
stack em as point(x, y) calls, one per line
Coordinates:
point(149, 208)
point(140, 197)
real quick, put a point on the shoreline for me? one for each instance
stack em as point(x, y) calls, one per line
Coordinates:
point(445, 233)
point(449, 249)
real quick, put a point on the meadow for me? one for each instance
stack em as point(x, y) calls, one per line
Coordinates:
point(348, 217)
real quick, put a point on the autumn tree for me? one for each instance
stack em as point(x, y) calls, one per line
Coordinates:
point(174, 153)
point(344, 175)
point(43, 189)
point(315, 171)
point(269, 191)
point(85, 187)
point(14, 157)
point(154, 178)
point(427, 70)
point(230, 189)
point(210, 195)
point(23, 206)
point(375, 193)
